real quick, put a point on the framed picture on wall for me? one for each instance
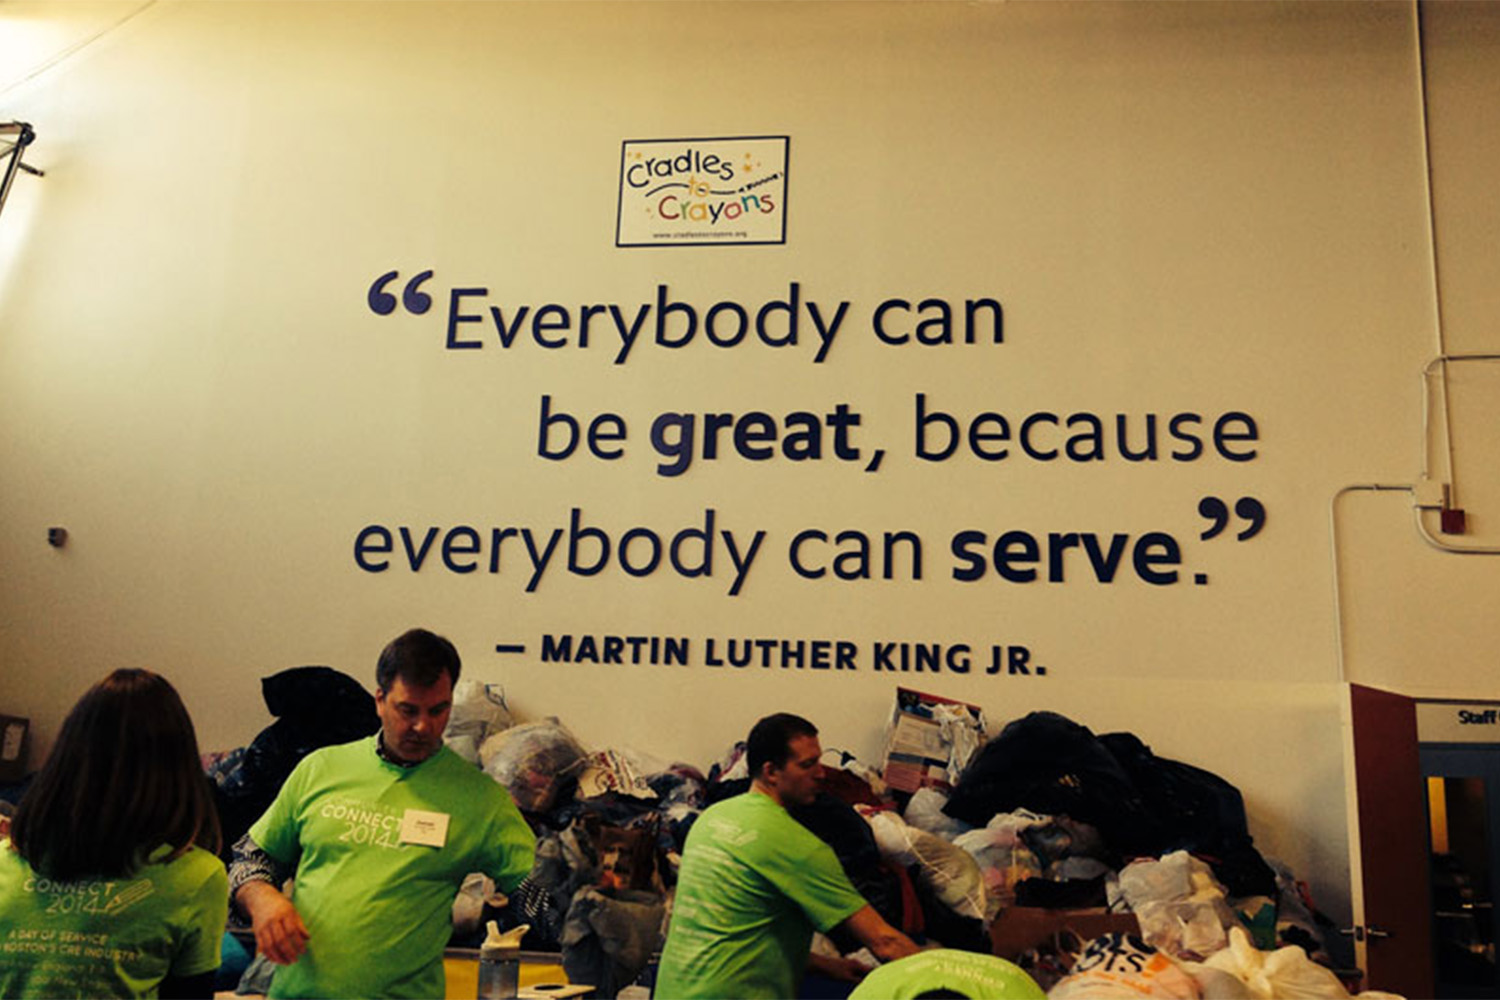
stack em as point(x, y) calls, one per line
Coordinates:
point(702, 192)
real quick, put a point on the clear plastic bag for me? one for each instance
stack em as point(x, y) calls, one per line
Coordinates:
point(925, 812)
point(532, 760)
point(1167, 878)
point(951, 873)
point(1181, 906)
point(1003, 860)
point(479, 710)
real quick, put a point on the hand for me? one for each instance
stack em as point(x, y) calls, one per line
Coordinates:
point(884, 941)
point(849, 970)
point(280, 934)
point(842, 968)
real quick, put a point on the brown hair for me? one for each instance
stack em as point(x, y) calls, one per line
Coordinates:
point(419, 658)
point(770, 740)
point(123, 778)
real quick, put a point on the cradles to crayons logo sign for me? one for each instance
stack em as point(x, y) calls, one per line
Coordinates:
point(686, 192)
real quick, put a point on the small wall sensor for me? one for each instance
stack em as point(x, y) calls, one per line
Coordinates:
point(57, 537)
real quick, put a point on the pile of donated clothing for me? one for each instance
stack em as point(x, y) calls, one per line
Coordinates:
point(1045, 814)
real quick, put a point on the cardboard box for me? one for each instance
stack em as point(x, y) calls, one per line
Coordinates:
point(917, 754)
point(13, 747)
point(1021, 928)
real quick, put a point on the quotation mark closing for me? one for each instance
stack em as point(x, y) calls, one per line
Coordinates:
point(1216, 512)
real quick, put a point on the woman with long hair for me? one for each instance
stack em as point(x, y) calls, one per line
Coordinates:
point(110, 883)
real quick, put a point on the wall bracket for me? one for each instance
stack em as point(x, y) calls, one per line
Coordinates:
point(11, 153)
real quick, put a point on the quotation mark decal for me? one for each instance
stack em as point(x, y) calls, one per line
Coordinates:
point(1216, 512)
point(416, 301)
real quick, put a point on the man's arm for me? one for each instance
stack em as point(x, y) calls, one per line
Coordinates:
point(280, 934)
point(884, 941)
point(843, 968)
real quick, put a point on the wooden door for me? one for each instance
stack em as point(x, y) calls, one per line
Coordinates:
point(1392, 912)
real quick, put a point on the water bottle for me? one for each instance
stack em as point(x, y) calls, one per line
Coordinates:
point(500, 962)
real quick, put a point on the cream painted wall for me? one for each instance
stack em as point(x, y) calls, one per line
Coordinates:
point(1203, 207)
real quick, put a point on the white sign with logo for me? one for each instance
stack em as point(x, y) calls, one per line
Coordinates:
point(689, 192)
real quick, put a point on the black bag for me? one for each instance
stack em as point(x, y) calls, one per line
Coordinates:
point(1196, 811)
point(1049, 764)
point(317, 707)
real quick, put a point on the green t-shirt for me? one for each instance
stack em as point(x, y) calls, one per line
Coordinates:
point(754, 886)
point(377, 901)
point(966, 972)
point(110, 937)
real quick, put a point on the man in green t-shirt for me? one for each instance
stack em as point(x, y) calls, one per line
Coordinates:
point(755, 884)
point(381, 833)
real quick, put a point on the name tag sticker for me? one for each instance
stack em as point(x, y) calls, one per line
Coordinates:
point(420, 827)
